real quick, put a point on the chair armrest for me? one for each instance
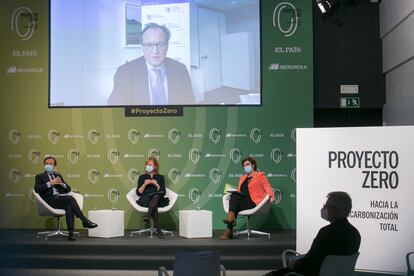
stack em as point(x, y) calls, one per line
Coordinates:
point(222, 270)
point(162, 271)
point(410, 269)
point(78, 197)
point(284, 253)
point(226, 199)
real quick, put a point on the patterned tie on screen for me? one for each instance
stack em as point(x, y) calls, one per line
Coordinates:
point(158, 91)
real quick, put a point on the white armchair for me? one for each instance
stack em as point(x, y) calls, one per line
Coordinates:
point(44, 209)
point(262, 208)
point(132, 198)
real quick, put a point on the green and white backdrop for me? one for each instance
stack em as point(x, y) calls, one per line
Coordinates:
point(101, 152)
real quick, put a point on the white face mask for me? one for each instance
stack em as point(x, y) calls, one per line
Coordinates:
point(324, 213)
point(149, 168)
point(248, 169)
point(48, 168)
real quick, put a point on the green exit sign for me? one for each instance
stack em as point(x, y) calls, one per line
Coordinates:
point(350, 102)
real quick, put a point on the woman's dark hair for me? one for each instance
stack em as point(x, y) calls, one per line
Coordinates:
point(49, 157)
point(252, 161)
point(156, 164)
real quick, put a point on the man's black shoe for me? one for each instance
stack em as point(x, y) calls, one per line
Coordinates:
point(89, 224)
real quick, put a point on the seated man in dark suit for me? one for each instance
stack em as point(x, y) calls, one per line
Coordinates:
point(337, 238)
point(152, 79)
point(53, 189)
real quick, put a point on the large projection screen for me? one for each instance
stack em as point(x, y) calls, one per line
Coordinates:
point(375, 166)
point(100, 57)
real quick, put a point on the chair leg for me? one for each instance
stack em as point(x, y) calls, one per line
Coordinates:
point(58, 232)
point(249, 232)
point(167, 232)
point(150, 230)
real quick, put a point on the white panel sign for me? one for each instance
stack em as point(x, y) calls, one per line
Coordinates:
point(375, 165)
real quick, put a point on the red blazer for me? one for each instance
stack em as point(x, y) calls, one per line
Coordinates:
point(259, 187)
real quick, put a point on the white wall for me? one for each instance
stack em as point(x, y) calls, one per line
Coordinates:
point(396, 30)
point(246, 20)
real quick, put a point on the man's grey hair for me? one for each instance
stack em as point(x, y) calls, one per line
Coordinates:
point(342, 201)
point(157, 26)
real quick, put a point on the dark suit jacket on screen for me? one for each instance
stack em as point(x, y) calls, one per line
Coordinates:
point(44, 191)
point(337, 238)
point(131, 84)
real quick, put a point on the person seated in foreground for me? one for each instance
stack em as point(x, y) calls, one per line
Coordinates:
point(338, 238)
point(53, 189)
point(253, 188)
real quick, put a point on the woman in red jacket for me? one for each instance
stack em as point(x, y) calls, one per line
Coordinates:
point(253, 188)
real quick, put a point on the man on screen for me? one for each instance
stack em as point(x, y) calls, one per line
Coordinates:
point(152, 79)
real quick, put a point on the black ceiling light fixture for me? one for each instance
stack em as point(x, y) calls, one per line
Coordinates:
point(338, 9)
point(327, 6)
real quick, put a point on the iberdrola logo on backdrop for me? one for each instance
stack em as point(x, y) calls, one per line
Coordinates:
point(286, 18)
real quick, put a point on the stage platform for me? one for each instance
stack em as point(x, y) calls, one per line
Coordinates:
point(22, 249)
